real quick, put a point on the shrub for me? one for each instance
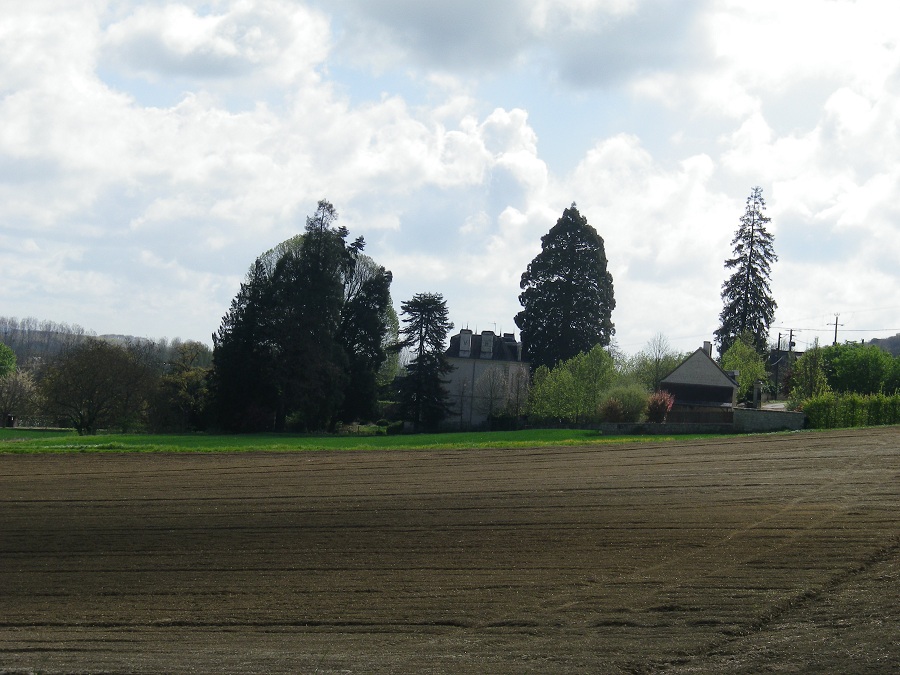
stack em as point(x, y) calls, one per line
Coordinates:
point(612, 411)
point(659, 405)
point(820, 411)
point(830, 410)
point(624, 404)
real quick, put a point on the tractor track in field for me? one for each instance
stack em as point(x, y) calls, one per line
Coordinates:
point(745, 554)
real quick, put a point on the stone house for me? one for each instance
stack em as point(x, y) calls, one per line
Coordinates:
point(489, 378)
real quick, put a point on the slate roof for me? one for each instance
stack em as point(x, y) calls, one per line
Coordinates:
point(505, 347)
point(700, 369)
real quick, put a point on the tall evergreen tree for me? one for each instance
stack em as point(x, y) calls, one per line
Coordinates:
point(297, 341)
point(240, 382)
point(423, 397)
point(749, 306)
point(364, 333)
point(567, 294)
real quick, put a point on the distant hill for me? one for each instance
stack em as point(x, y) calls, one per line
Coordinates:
point(890, 344)
point(33, 340)
point(30, 338)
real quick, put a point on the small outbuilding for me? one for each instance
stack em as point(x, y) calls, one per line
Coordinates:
point(704, 393)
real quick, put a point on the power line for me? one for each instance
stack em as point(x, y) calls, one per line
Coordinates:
point(848, 330)
point(836, 324)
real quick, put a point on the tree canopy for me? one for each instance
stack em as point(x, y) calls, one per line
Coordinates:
point(649, 366)
point(98, 384)
point(749, 305)
point(18, 395)
point(567, 294)
point(859, 368)
point(808, 376)
point(7, 360)
point(743, 357)
point(573, 390)
point(305, 336)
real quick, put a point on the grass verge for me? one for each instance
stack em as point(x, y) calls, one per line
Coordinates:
point(20, 441)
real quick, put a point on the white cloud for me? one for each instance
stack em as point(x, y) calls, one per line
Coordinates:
point(150, 151)
point(273, 39)
point(467, 35)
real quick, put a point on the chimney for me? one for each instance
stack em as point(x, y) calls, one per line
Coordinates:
point(465, 343)
point(707, 348)
point(487, 344)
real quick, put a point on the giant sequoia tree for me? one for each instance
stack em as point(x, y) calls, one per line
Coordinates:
point(567, 294)
point(305, 334)
point(749, 306)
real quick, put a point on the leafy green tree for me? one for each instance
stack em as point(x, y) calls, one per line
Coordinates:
point(892, 383)
point(861, 369)
point(567, 294)
point(592, 373)
point(18, 395)
point(573, 390)
point(423, 396)
point(181, 399)
point(743, 357)
point(552, 396)
point(749, 306)
point(390, 368)
point(807, 377)
point(7, 360)
point(96, 384)
point(649, 366)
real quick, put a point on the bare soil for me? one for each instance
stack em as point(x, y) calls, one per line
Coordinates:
point(777, 553)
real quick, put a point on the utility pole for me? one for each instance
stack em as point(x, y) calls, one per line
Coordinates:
point(836, 324)
point(777, 363)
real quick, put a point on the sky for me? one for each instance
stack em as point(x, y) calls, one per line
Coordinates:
point(150, 151)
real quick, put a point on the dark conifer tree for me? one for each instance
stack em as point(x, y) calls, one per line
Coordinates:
point(240, 382)
point(423, 397)
point(567, 294)
point(296, 341)
point(749, 305)
point(362, 333)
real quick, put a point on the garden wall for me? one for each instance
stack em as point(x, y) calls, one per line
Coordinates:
point(746, 421)
point(665, 429)
point(753, 420)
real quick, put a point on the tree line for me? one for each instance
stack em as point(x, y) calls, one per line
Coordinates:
point(311, 340)
point(118, 384)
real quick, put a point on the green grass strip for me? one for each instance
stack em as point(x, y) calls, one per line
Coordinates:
point(39, 441)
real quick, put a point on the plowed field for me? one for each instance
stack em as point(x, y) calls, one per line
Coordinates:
point(769, 553)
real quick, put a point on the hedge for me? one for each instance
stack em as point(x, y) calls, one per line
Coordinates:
point(833, 411)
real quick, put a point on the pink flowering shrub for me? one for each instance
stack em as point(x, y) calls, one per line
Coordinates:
point(659, 405)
